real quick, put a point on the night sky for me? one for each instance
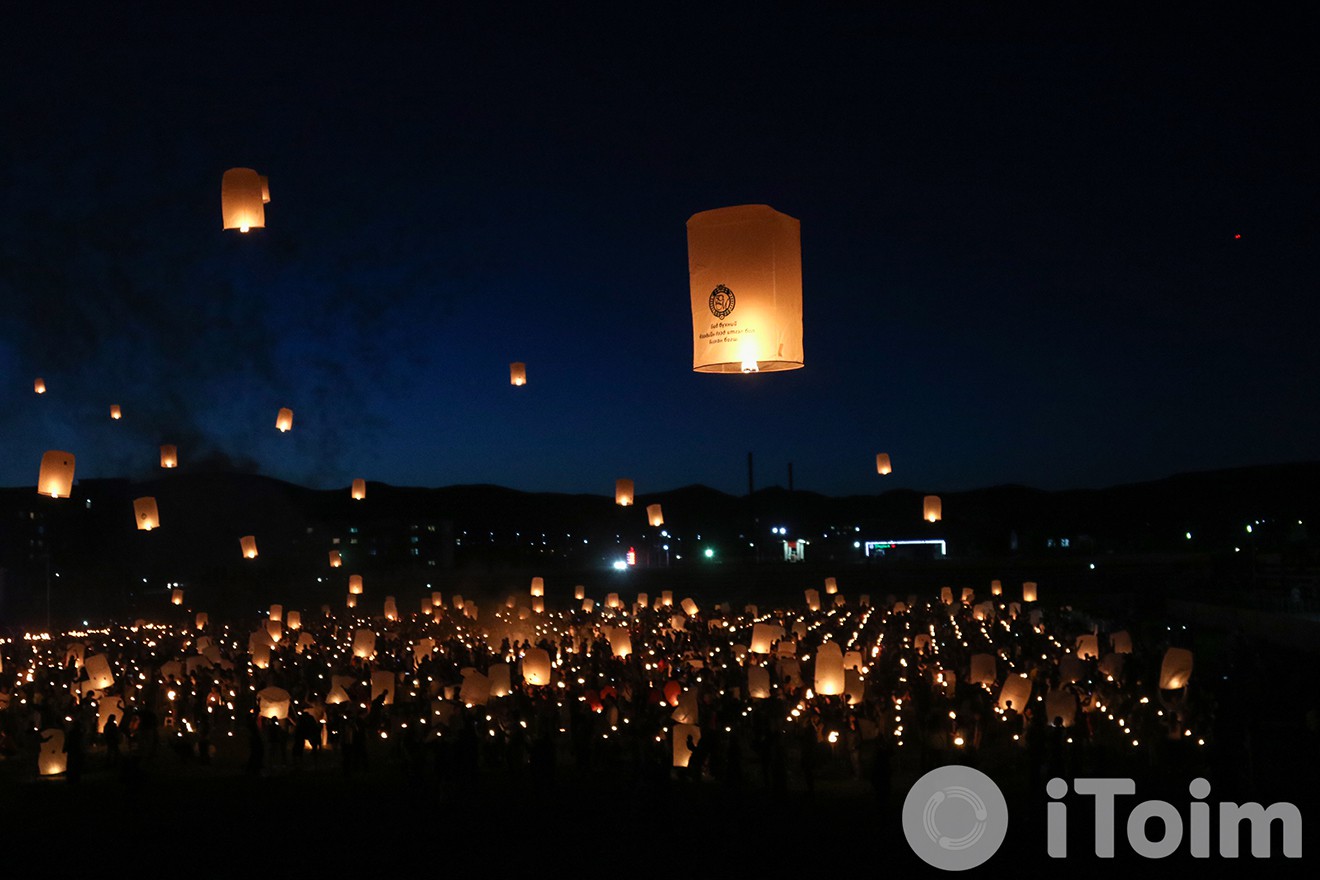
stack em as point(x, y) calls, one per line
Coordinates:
point(1020, 243)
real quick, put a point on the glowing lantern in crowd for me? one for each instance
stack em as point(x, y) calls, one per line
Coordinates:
point(52, 760)
point(831, 586)
point(146, 514)
point(764, 635)
point(864, 600)
point(996, 588)
point(276, 613)
point(1060, 703)
point(854, 686)
point(654, 515)
point(1176, 669)
point(458, 602)
point(853, 660)
point(690, 608)
point(423, 650)
point(538, 605)
point(621, 641)
point(470, 608)
point(176, 598)
point(106, 708)
point(1016, 690)
point(359, 489)
point(1088, 646)
point(351, 601)
point(260, 656)
point(39, 385)
point(758, 682)
point(517, 373)
point(931, 509)
point(500, 680)
point(169, 456)
point(1112, 665)
point(685, 710)
point(202, 619)
point(667, 598)
point(678, 622)
point(984, 610)
point(588, 605)
point(623, 492)
point(983, 669)
point(391, 610)
point(240, 200)
point(612, 601)
point(273, 702)
point(338, 692)
point(789, 669)
point(248, 544)
point(682, 734)
point(382, 683)
point(745, 279)
point(829, 670)
point(56, 475)
point(427, 606)
point(813, 600)
point(284, 419)
point(579, 592)
point(536, 667)
point(967, 595)
point(335, 559)
point(115, 412)
point(882, 465)
point(921, 641)
point(946, 595)
point(99, 675)
point(355, 584)
point(1029, 591)
point(437, 600)
point(293, 620)
point(364, 644)
point(538, 586)
point(642, 600)
point(1121, 641)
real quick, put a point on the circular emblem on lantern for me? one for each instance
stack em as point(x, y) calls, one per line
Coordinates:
point(722, 301)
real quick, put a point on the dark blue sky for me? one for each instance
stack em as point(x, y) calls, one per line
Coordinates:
point(1018, 243)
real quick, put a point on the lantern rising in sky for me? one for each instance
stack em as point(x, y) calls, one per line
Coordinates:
point(284, 420)
point(115, 412)
point(335, 559)
point(517, 373)
point(56, 475)
point(745, 278)
point(241, 202)
point(146, 514)
point(654, 515)
point(248, 543)
point(169, 457)
point(39, 385)
point(623, 492)
point(359, 490)
point(882, 465)
point(931, 509)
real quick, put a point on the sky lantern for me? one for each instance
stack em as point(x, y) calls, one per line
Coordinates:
point(276, 613)
point(115, 412)
point(457, 599)
point(612, 601)
point(202, 619)
point(39, 386)
point(538, 586)
point(643, 600)
point(623, 492)
point(813, 600)
point(1121, 641)
point(427, 606)
point(335, 559)
point(579, 592)
point(946, 595)
point(689, 608)
point(620, 641)
point(588, 605)
point(1029, 591)
point(830, 679)
point(501, 682)
point(931, 508)
point(364, 644)
point(56, 475)
point(265, 189)
point(355, 585)
point(146, 513)
point(106, 708)
point(996, 588)
point(284, 419)
point(359, 490)
point(667, 597)
point(536, 667)
point(686, 708)
point(98, 672)
point(831, 586)
point(437, 600)
point(682, 733)
point(538, 604)
point(763, 636)
point(882, 465)
point(52, 760)
point(169, 456)
point(654, 515)
point(273, 702)
point(176, 597)
point(1016, 690)
point(391, 610)
point(1088, 646)
point(1175, 669)
point(382, 684)
point(248, 543)
point(241, 202)
point(517, 373)
point(293, 619)
point(351, 601)
point(745, 279)
point(967, 595)
point(758, 682)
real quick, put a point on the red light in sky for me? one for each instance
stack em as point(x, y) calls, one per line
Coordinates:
point(1238, 235)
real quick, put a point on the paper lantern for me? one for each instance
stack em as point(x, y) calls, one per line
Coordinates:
point(536, 667)
point(500, 680)
point(56, 475)
point(382, 683)
point(758, 682)
point(623, 492)
point(984, 610)
point(146, 514)
point(579, 592)
point(99, 675)
point(967, 595)
point(921, 641)
point(538, 586)
point(335, 559)
point(169, 456)
point(829, 670)
point(983, 669)
point(689, 608)
point(52, 760)
point(764, 635)
point(931, 510)
point(39, 385)
point(273, 702)
point(248, 544)
point(745, 280)
point(364, 644)
point(422, 650)
point(1112, 665)
point(678, 622)
point(854, 686)
point(284, 419)
point(202, 620)
point(642, 600)
point(864, 600)
point(882, 465)
point(831, 586)
point(1176, 669)
point(470, 608)
point(276, 613)
point(391, 609)
point(437, 600)
point(355, 584)
point(1121, 641)
point(1029, 591)
point(612, 601)
point(1060, 703)
point(176, 598)
point(682, 733)
point(996, 588)
point(115, 412)
point(338, 692)
point(458, 602)
point(359, 489)
point(686, 708)
point(1088, 646)
point(588, 604)
point(265, 189)
point(260, 656)
point(518, 373)
point(1016, 690)
point(106, 708)
point(293, 620)
point(538, 605)
point(351, 601)
point(241, 204)
point(946, 595)
point(790, 671)
point(813, 600)
point(654, 515)
point(621, 642)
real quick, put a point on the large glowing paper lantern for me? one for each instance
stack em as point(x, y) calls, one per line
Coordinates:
point(284, 419)
point(745, 279)
point(293, 620)
point(382, 683)
point(1088, 646)
point(689, 608)
point(359, 489)
point(983, 669)
point(99, 675)
point(882, 465)
point(176, 598)
point(391, 609)
point(260, 656)
point(335, 559)
point(1121, 641)
point(500, 681)
point(1029, 591)
point(538, 605)
point(588, 605)
point(364, 644)
point(854, 686)
point(517, 373)
point(248, 544)
point(241, 204)
point(536, 667)
point(538, 586)
point(682, 733)
point(764, 635)
point(620, 641)
point(758, 682)
point(579, 592)
point(1176, 669)
point(146, 514)
point(169, 456)
point(830, 679)
point(678, 622)
point(56, 475)
point(355, 585)
point(39, 386)
point(106, 708)
point(52, 760)
point(654, 515)
point(351, 601)
point(813, 600)
point(276, 613)
point(273, 702)
point(1016, 690)
point(946, 595)
point(996, 588)
point(984, 610)
point(967, 595)
point(202, 620)
point(831, 586)
point(115, 412)
point(931, 509)
point(686, 710)
point(623, 492)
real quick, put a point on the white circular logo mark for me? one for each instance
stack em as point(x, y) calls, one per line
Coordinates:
point(955, 818)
